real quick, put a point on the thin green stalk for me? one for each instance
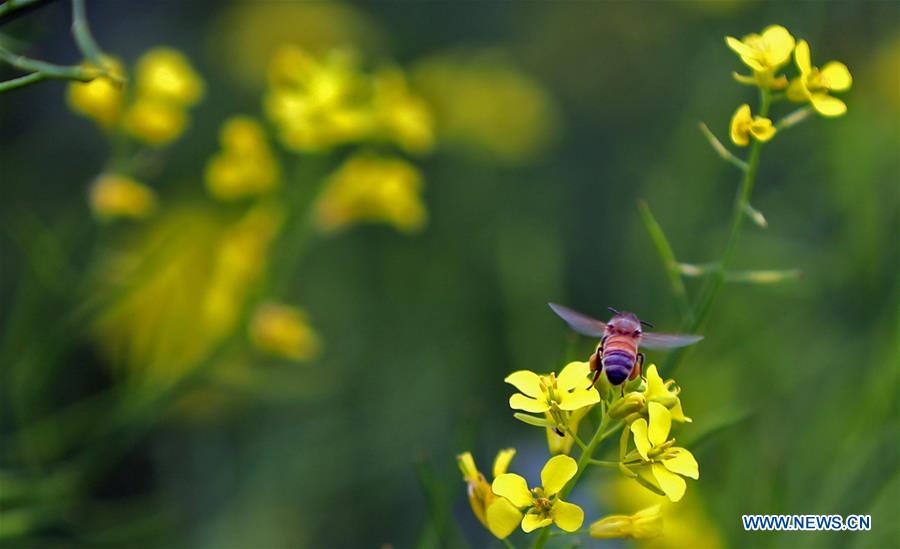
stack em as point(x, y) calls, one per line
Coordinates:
point(49, 70)
point(667, 255)
point(10, 6)
point(715, 282)
point(82, 34)
point(21, 81)
point(508, 544)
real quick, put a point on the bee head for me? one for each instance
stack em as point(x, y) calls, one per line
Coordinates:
point(624, 323)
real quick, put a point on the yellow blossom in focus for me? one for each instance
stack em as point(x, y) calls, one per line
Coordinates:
point(117, 196)
point(101, 99)
point(481, 498)
point(665, 393)
point(562, 444)
point(316, 103)
point(656, 451)
point(645, 524)
point(764, 53)
point(401, 115)
point(283, 331)
point(541, 506)
point(166, 74)
point(371, 188)
point(246, 166)
point(560, 399)
point(744, 124)
point(814, 85)
point(154, 121)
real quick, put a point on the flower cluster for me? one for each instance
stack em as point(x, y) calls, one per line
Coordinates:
point(767, 54)
point(155, 110)
point(643, 410)
point(246, 165)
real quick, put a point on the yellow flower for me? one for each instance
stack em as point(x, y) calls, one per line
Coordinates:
point(402, 116)
point(540, 393)
point(764, 53)
point(666, 461)
point(246, 166)
point(315, 103)
point(813, 84)
point(154, 121)
point(645, 524)
point(283, 331)
point(665, 393)
point(744, 124)
point(371, 188)
point(541, 506)
point(117, 196)
point(562, 444)
point(166, 74)
point(481, 498)
point(101, 99)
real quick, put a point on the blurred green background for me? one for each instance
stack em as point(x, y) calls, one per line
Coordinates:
point(558, 118)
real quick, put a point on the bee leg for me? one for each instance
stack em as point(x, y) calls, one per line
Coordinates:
point(638, 366)
point(596, 362)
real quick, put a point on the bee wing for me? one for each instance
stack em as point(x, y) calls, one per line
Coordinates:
point(652, 340)
point(582, 324)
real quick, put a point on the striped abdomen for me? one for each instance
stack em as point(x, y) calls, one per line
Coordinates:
point(619, 356)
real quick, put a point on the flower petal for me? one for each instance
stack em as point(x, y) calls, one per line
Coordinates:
point(837, 75)
point(574, 376)
point(762, 129)
point(501, 462)
point(797, 92)
point(827, 105)
point(739, 122)
point(673, 485)
point(519, 401)
point(780, 45)
point(533, 521)
point(514, 488)
point(678, 413)
point(683, 463)
point(641, 441)
point(502, 518)
point(527, 382)
point(660, 423)
point(556, 473)
point(801, 57)
point(655, 385)
point(579, 398)
point(567, 516)
point(467, 466)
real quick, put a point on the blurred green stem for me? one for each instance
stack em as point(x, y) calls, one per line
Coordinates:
point(715, 282)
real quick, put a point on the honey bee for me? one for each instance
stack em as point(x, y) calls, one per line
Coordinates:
point(617, 354)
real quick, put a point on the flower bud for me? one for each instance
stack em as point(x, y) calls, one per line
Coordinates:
point(644, 524)
point(629, 404)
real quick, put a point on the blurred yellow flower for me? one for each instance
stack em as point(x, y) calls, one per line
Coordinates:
point(665, 393)
point(764, 53)
point(371, 188)
point(246, 166)
point(813, 84)
point(481, 498)
point(666, 461)
point(645, 524)
point(178, 287)
point(484, 102)
point(100, 99)
point(541, 506)
point(154, 121)
point(744, 125)
point(115, 196)
point(316, 103)
point(283, 331)
point(402, 116)
point(166, 74)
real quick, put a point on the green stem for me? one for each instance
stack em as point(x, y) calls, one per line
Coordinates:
point(715, 282)
point(48, 70)
point(21, 81)
point(82, 34)
point(508, 544)
point(602, 463)
point(10, 6)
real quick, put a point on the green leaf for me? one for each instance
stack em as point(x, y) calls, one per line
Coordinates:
point(667, 256)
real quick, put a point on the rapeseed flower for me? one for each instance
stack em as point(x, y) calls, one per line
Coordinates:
point(744, 125)
point(101, 99)
point(541, 506)
point(645, 524)
point(814, 85)
point(156, 122)
point(656, 451)
point(166, 74)
point(765, 53)
point(401, 115)
point(283, 331)
point(482, 499)
point(114, 196)
point(665, 393)
point(246, 165)
point(372, 188)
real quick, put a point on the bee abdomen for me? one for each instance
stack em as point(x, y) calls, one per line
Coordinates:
point(618, 364)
